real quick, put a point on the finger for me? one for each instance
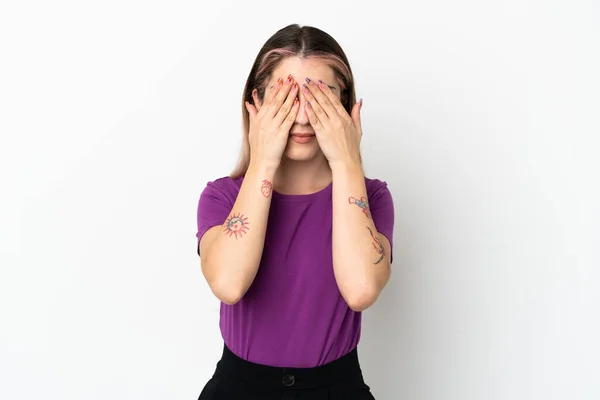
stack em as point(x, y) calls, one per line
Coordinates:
point(313, 118)
point(356, 116)
point(251, 110)
point(321, 98)
point(314, 105)
point(284, 88)
point(289, 120)
point(274, 90)
point(286, 107)
point(275, 86)
point(333, 99)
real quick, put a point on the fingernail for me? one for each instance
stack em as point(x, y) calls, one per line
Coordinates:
point(361, 103)
point(289, 78)
point(304, 86)
point(307, 80)
point(321, 84)
point(307, 103)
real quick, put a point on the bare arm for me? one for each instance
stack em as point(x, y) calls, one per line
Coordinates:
point(361, 255)
point(230, 254)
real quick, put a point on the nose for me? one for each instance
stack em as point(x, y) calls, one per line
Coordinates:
point(302, 117)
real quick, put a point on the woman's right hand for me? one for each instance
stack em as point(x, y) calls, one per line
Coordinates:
point(270, 125)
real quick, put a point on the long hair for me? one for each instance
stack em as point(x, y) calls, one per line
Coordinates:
point(293, 41)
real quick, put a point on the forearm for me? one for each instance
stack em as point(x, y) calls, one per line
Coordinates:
point(360, 264)
point(234, 255)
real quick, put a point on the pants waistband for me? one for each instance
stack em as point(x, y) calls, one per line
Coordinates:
point(344, 369)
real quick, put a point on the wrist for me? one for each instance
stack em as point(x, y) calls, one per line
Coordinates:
point(263, 169)
point(346, 167)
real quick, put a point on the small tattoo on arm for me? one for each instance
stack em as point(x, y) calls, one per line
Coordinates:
point(266, 188)
point(236, 225)
point(362, 203)
point(377, 245)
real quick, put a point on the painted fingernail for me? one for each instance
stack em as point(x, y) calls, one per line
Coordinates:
point(296, 101)
point(289, 78)
point(295, 86)
point(279, 80)
point(307, 103)
point(305, 87)
point(307, 80)
point(361, 103)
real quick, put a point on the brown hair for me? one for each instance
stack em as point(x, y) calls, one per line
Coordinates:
point(293, 41)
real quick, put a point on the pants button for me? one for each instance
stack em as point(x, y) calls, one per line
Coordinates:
point(288, 380)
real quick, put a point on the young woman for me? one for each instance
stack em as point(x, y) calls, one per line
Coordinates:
point(297, 242)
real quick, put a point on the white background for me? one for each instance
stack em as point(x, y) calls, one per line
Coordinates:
point(481, 115)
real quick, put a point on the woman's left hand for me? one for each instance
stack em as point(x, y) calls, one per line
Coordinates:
point(337, 132)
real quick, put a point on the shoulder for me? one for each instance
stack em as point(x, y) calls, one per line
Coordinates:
point(375, 187)
point(227, 183)
point(224, 187)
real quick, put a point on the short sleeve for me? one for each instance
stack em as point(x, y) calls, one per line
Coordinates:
point(214, 207)
point(381, 206)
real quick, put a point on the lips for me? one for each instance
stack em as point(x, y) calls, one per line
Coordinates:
point(303, 138)
point(302, 134)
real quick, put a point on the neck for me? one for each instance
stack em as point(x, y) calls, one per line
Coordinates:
point(302, 177)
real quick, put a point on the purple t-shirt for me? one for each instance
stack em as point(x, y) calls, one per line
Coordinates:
point(293, 314)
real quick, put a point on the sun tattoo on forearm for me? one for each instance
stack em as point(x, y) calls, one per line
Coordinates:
point(362, 203)
point(266, 188)
point(377, 245)
point(236, 225)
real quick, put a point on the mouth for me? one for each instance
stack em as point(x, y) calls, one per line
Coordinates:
point(302, 137)
point(302, 134)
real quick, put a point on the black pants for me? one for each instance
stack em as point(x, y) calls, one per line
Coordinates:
point(238, 379)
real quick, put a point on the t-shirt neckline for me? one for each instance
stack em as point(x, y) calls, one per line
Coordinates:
point(304, 197)
point(325, 192)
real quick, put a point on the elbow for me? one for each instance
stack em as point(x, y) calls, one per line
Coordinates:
point(227, 290)
point(362, 300)
point(227, 293)
point(230, 300)
point(364, 295)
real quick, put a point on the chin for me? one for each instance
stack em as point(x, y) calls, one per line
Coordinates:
point(302, 152)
